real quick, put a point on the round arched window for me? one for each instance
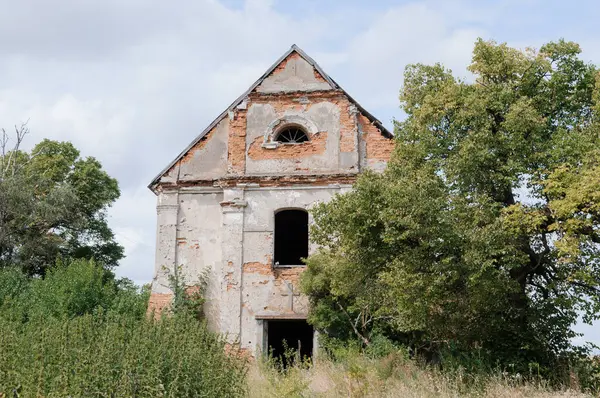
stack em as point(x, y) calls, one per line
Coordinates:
point(291, 135)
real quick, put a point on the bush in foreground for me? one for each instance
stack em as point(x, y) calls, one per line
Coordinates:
point(80, 333)
point(104, 355)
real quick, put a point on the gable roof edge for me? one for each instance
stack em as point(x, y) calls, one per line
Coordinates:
point(238, 100)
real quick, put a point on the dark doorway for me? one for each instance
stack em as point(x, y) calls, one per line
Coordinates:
point(291, 237)
point(296, 335)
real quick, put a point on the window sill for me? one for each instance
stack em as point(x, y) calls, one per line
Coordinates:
point(288, 266)
point(270, 145)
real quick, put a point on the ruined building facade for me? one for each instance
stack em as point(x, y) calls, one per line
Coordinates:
point(233, 205)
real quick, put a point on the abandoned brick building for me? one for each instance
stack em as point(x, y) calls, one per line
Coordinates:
point(233, 205)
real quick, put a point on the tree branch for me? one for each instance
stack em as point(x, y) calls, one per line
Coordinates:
point(358, 334)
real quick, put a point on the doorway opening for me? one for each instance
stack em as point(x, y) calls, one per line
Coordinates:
point(286, 339)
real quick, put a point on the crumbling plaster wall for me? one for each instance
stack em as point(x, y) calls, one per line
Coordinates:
point(189, 236)
point(199, 237)
point(343, 140)
point(320, 155)
point(267, 290)
point(210, 219)
point(206, 160)
point(293, 74)
point(375, 149)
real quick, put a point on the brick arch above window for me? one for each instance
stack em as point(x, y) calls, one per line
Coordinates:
point(282, 123)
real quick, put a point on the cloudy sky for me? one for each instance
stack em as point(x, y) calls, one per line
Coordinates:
point(132, 82)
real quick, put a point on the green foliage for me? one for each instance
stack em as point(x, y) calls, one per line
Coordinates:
point(79, 332)
point(483, 233)
point(188, 297)
point(53, 205)
point(100, 355)
point(69, 290)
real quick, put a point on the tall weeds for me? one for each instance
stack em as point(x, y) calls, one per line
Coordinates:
point(356, 375)
point(80, 333)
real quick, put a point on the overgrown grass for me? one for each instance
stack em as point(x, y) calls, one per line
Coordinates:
point(80, 333)
point(358, 375)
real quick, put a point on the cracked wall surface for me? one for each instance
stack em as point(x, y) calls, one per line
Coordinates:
point(216, 203)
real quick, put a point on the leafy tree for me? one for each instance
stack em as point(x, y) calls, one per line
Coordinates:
point(53, 205)
point(484, 231)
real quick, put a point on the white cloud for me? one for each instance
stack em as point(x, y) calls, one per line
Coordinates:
point(418, 32)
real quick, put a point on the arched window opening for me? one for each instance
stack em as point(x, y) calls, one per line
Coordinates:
point(291, 237)
point(291, 135)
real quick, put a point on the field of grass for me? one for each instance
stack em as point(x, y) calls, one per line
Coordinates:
point(392, 376)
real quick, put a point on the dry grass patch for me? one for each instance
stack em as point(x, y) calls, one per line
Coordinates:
point(388, 377)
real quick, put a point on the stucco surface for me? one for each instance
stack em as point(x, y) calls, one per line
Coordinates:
point(216, 203)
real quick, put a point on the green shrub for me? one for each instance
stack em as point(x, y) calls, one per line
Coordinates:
point(69, 290)
point(14, 286)
point(104, 355)
point(72, 289)
point(80, 332)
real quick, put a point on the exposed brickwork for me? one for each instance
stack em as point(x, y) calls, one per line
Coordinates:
point(190, 291)
point(236, 154)
point(189, 155)
point(279, 68)
point(348, 127)
point(315, 146)
point(235, 350)
point(378, 146)
point(257, 268)
point(159, 302)
point(229, 277)
point(289, 274)
point(318, 76)
point(302, 102)
point(270, 181)
point(281, 100)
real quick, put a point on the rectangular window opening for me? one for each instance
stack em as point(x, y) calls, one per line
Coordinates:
point(291, 237)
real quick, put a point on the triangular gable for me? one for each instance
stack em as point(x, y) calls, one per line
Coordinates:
point(277, 68)
point(294, 73)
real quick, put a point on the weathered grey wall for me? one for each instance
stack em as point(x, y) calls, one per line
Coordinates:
point(166, 240)
point(269, 291)
point(209, 160)
point(296, 75)
point(199, 237)
point(212, 219)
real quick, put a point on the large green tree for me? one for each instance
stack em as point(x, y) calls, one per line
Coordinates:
point(53, 205)
point(484, 230)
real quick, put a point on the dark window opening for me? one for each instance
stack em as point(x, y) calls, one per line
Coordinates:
point(291, 135)
point(288, 338)
point(291, 237)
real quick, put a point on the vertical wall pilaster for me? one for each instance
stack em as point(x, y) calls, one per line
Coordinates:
point(166, 241)
point(232, 254)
